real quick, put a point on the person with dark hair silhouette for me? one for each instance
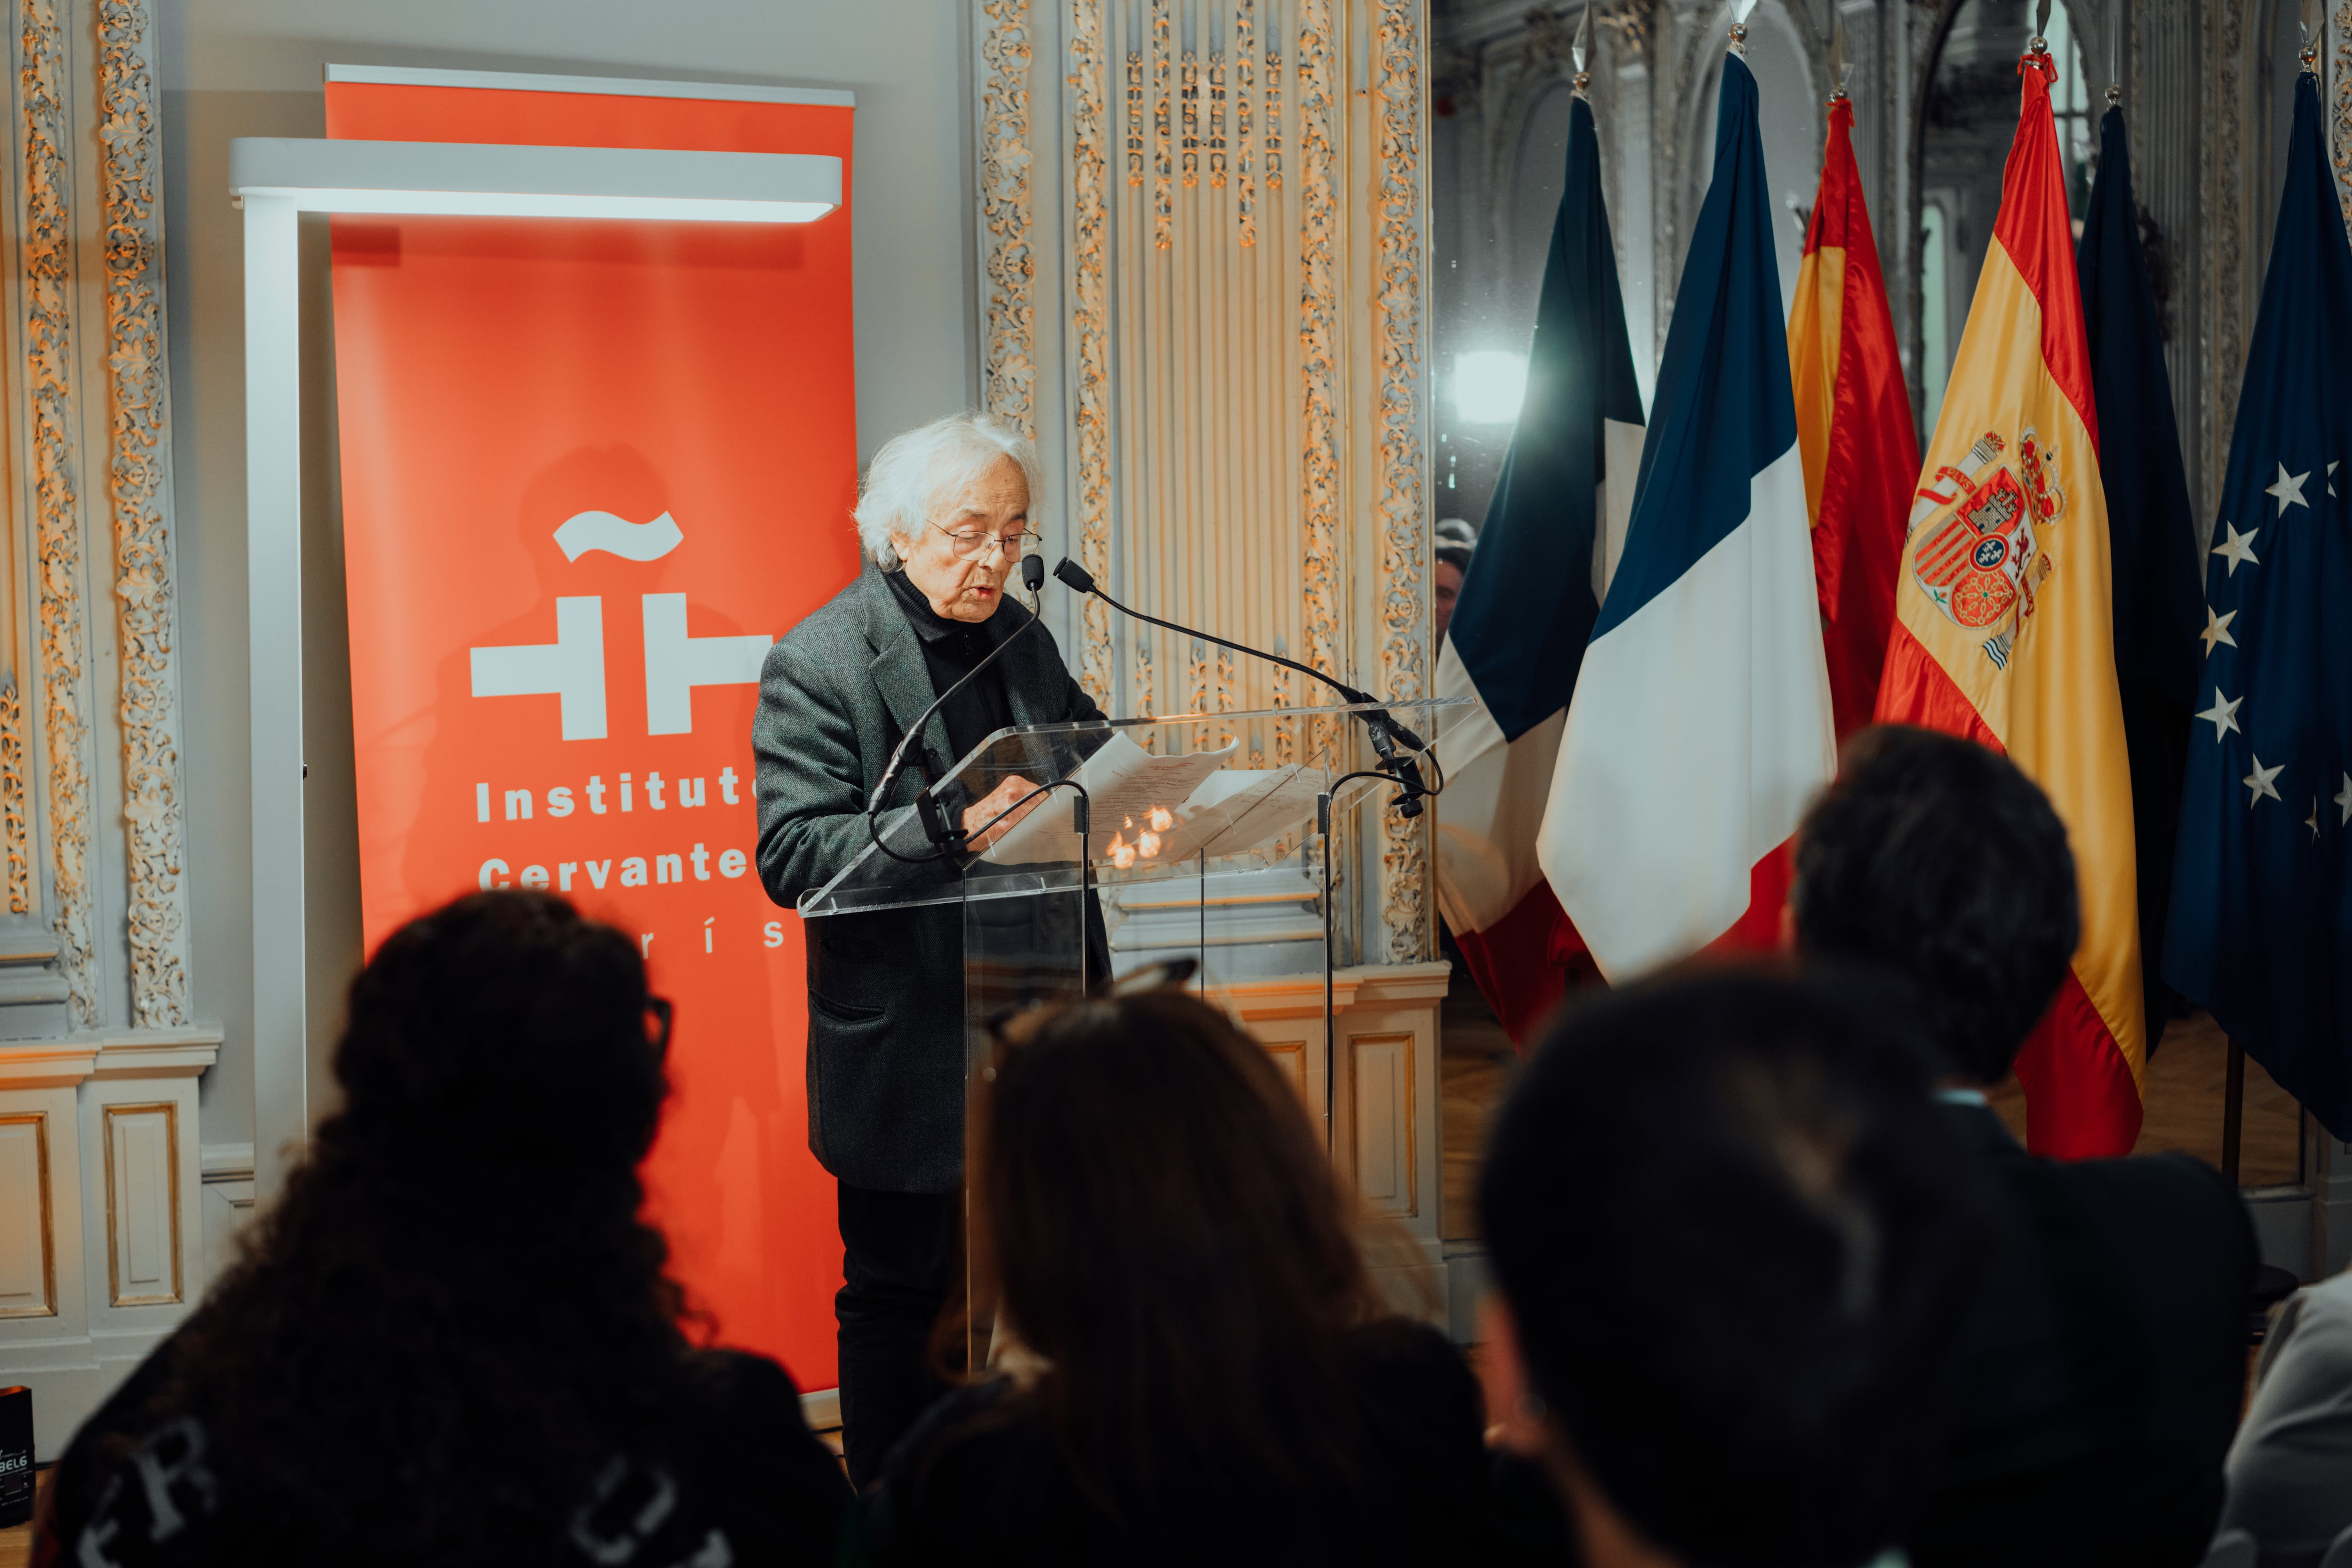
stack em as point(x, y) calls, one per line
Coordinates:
point(452, 1341)
point(2099, 1374)
point(1201, 1370)
point(1731, 1235)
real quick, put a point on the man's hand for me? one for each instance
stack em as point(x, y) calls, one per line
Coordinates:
point(983, 813)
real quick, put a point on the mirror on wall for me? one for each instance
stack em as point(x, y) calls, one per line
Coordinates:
point(1502, 84)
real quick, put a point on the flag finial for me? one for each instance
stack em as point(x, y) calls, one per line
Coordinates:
point(2040, 43)
point(1739, 44)
point(1581, 50)
point(2305, 24)
point(1841, 56)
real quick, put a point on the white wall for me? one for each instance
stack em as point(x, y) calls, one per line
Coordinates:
point(253, 67)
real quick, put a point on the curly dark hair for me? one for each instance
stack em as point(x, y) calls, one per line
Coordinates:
point(455, 1316)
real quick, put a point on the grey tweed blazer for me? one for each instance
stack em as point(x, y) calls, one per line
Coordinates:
point(885, 1002)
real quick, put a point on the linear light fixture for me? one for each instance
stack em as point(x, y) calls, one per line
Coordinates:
point(488, 180)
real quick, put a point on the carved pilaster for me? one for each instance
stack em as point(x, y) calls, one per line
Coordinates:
point(1008, 370)
point(47, 349)
point(16, 800)
point(138, 479)
point(1319, 330)
point(1401, 512)
point(1088, 177)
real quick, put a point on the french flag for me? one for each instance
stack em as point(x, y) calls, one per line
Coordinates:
point(1700, 727)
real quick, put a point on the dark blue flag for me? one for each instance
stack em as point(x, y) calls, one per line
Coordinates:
point(2262, 894)
point(2151, 532)
point(1527, 605)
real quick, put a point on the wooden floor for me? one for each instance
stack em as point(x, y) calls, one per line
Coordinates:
point(2184, 1102)
point(17, 1541)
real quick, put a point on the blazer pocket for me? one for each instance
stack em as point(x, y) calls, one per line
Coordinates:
point(843, 1012)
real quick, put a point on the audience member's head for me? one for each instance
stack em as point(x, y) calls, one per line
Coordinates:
point(1732, 1234)
point(455, 1313)
point(1935, 857)
point(1163, 1229)
point(1455, 542)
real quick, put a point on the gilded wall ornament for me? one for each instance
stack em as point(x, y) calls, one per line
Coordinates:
point(1008, 372)
point(47, 286)
point(1402, 510)
point(1089, 320)
point(1319, 329)
point(139, 467)
point(15, 799)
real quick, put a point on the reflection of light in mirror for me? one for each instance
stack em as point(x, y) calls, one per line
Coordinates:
point(1489, 385)
point(1122, 853)
point(1161, 819)
point(1147, 845)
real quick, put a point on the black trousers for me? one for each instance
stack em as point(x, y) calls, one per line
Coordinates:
point(899, 1256)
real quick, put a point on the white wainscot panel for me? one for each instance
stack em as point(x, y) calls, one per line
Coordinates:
point(1382, 1140)
point(28, 1247)
point(142, 1146)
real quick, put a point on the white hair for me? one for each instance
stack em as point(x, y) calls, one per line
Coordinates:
point(915, 472)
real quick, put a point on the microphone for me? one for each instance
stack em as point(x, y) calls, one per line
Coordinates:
point(1387, 734)
point(936, 827)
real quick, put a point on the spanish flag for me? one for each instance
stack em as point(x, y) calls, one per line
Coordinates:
point(2004, 622)
point(1854, 424)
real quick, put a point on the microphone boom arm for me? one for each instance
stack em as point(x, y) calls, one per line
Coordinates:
point(1387, 734)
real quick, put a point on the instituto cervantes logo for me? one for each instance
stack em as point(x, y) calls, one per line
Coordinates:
point(1981, 557)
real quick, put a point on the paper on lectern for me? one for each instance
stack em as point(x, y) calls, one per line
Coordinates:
point(1218, 810)
point(1125, 784)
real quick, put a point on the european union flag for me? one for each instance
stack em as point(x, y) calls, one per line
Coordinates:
point(2262, 895)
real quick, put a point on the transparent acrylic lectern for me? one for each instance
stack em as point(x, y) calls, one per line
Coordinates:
point(1115, 807)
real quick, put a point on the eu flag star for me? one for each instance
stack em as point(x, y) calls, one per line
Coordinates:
point(2289, 489)
point(2224, 713)
point(2260, 784)
point(2237, 550)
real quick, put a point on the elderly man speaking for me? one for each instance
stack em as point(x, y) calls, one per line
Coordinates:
point(943, 520)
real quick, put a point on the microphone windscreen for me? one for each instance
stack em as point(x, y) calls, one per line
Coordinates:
point(1072, 575)
point(1032, 572)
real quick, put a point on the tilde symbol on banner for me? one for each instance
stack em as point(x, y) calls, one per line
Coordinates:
point(572, 668)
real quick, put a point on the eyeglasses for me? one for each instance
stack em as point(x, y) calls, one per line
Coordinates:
point(973, 545)
point(658, 1009)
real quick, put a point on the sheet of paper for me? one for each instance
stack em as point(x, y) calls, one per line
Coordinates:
point(1284, 804)
point(1125, 784)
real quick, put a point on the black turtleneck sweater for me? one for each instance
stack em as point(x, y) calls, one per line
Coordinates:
point(949, 650)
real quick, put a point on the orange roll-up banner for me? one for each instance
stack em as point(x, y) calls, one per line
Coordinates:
point(590, 470)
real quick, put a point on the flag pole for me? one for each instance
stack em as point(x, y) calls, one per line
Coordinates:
point(2233, 1111)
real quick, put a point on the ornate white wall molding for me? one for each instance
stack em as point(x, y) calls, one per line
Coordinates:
point(1402, 507)
point(1089, 174)
point(88, 421)
point(98, 1058)
point(1008, 369)
point(1320, 226)
point(46, 282)
point(16, 800)
point(139, 465)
